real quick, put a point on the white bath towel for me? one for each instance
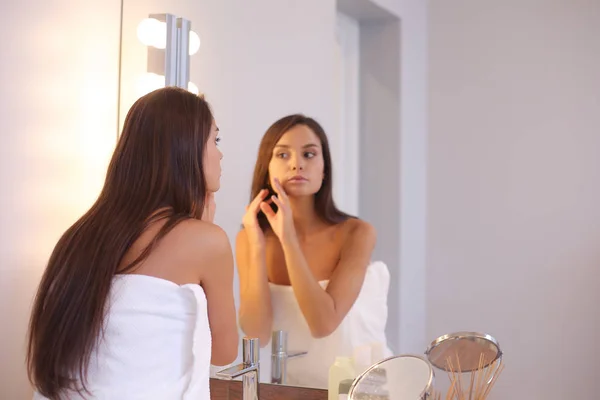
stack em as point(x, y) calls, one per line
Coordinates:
point(363, 326)
point(157, 343)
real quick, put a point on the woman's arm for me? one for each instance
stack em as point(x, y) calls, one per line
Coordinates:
point(324, 310)
point(256, 315)
point(213, 248)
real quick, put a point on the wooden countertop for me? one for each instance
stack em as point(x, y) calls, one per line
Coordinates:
point(232, 390)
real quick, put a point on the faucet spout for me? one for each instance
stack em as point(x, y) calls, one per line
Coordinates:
point(235, 371)
point(248, 369)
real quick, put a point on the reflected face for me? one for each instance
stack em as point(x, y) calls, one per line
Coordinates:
point(212, 160)
point(297, 161)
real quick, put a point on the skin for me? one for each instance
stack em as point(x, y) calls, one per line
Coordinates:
point(212, 167)
point(198, 252)
point(299, 249)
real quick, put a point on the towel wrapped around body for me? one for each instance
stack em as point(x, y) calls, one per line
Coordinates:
point(156, 343)
point(363, 327)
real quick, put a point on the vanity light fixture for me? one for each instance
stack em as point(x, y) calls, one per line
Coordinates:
point(170, 42)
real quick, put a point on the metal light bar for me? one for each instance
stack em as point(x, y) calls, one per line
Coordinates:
point(172, 62)
point(183, 53)
point(164, 62)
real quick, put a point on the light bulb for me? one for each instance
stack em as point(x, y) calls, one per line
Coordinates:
point(149, 82)
point(193, 88)
point(152, 32)
point(194, 43)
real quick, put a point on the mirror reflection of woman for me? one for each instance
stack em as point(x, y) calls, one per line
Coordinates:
point(302, 262)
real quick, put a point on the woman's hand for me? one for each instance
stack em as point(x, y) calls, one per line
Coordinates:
point(281, 221)
point(255, 234)
point(210, 207)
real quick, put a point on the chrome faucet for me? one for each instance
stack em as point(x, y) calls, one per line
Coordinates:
point(248, 369)
point(279, 357)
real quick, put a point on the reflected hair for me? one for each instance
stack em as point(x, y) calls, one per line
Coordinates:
point(155, 173)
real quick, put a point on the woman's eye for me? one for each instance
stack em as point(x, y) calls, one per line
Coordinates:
point(217, 140)
point(309, 154)
point(282, 155)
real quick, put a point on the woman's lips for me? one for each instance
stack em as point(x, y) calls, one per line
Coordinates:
point(297, 179)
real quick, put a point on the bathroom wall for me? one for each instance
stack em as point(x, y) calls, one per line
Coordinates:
point(392, 151)
point(514, 187)
point(58, 104)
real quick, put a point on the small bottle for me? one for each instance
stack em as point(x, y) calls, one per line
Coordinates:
point(341, 369)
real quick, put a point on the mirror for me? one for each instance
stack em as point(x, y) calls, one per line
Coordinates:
point(257, 64)
point(477, 355)
point(469, 351)
point(405, 377)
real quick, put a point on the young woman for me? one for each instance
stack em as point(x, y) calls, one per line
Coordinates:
point(137, 298)
point(302, 262)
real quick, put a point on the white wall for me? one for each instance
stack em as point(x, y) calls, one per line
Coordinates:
point(59, 94)
point(404, 166)
point(413, 166)
point(346, 164)
point(410, 170)
point(514, 187)
point(380, 152)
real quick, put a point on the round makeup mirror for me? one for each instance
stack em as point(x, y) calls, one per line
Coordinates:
point(404, 377)
point(477, 355)
point(463, 351)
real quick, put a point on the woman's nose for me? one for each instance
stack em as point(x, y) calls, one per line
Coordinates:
point(296, 163)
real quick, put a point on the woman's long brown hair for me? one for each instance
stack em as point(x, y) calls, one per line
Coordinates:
point(157, 165)
point(324, 204)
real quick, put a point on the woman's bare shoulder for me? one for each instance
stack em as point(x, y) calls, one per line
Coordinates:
point(183, 253)
point(203, 245)
point(354, 228)
point(197, 235)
